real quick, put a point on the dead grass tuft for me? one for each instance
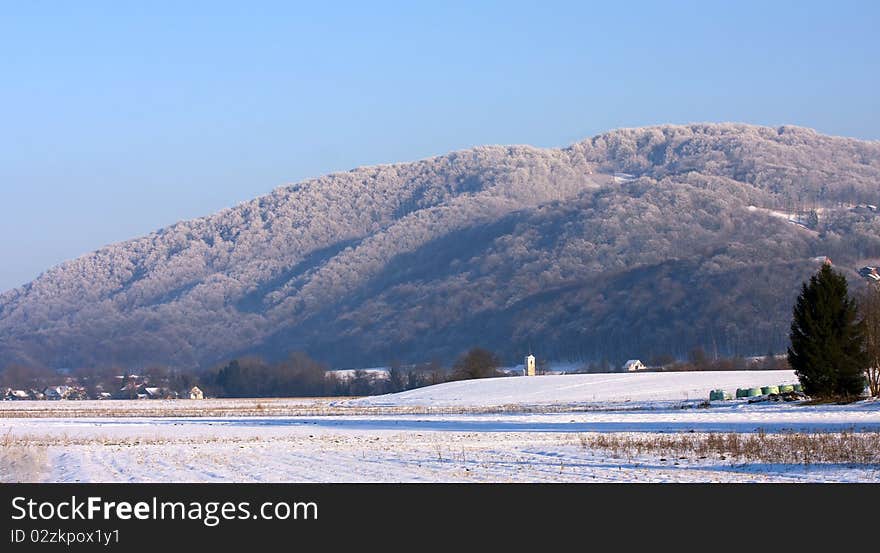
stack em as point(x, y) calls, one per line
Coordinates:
point(21, 460)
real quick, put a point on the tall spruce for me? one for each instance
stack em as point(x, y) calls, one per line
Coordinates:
point(827, 339)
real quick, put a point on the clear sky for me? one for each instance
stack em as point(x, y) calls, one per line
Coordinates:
point(117, 118)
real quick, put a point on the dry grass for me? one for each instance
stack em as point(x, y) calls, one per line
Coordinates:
point(21, 461)
point(291, 407)
point(785, 448)
point(25, 441)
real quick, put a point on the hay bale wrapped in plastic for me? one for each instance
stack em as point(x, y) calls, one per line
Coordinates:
point(716, 395)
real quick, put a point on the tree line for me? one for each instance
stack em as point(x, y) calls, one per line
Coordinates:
point(301, 376)
point(834, 349)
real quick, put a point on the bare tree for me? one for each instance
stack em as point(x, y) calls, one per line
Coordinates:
point(870, 308)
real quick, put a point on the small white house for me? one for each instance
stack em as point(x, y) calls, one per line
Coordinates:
point(56, 392)
point(634, 365)
point(196, 393)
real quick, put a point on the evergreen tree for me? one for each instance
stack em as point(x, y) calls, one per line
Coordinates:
point(812, 219)
point(827, 339)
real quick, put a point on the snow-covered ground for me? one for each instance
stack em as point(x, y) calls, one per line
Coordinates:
point(324, 444)
point(414, 448)
point(580, 389)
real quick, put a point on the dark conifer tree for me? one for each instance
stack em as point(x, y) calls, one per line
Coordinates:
point(812, 219)
point(827, 339)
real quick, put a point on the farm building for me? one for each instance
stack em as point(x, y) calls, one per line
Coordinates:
point(56, 392)
point(634, 365)
point(17, 395)
point(870, 273)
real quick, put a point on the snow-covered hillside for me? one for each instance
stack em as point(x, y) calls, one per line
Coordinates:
point(646, 230)
point(580, 388)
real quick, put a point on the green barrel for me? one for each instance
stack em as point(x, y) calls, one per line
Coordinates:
point(742, 392)
point(770, 390)
point(786, 388)
point(716, 395)
point(754, 392)
point(798, 388)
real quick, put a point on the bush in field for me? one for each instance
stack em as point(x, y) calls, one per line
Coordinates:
point(827, 339)
point(476, 363)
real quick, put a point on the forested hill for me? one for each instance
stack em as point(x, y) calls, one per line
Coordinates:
point(632, 243)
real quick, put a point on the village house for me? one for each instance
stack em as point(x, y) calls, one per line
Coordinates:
point(155, 392)
point(62, 392)
point(634, 365)
point(196, 393)
point(16, 395)
point(55, 393)
point(870, 273)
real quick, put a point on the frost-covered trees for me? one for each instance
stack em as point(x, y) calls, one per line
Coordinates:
point(511, 242)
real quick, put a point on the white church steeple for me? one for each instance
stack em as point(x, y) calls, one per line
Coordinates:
point(529, 369)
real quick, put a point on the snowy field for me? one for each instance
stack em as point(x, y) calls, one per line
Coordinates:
point(624, 441)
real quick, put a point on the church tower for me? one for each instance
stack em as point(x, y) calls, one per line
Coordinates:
point(529, 369)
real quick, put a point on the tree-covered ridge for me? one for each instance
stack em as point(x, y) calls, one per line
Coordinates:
point(494, 245)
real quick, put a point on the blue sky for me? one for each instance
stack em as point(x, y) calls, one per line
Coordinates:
point(120, 117)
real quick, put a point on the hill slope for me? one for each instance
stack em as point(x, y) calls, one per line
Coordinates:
point(578, 388)
point(635, 242)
